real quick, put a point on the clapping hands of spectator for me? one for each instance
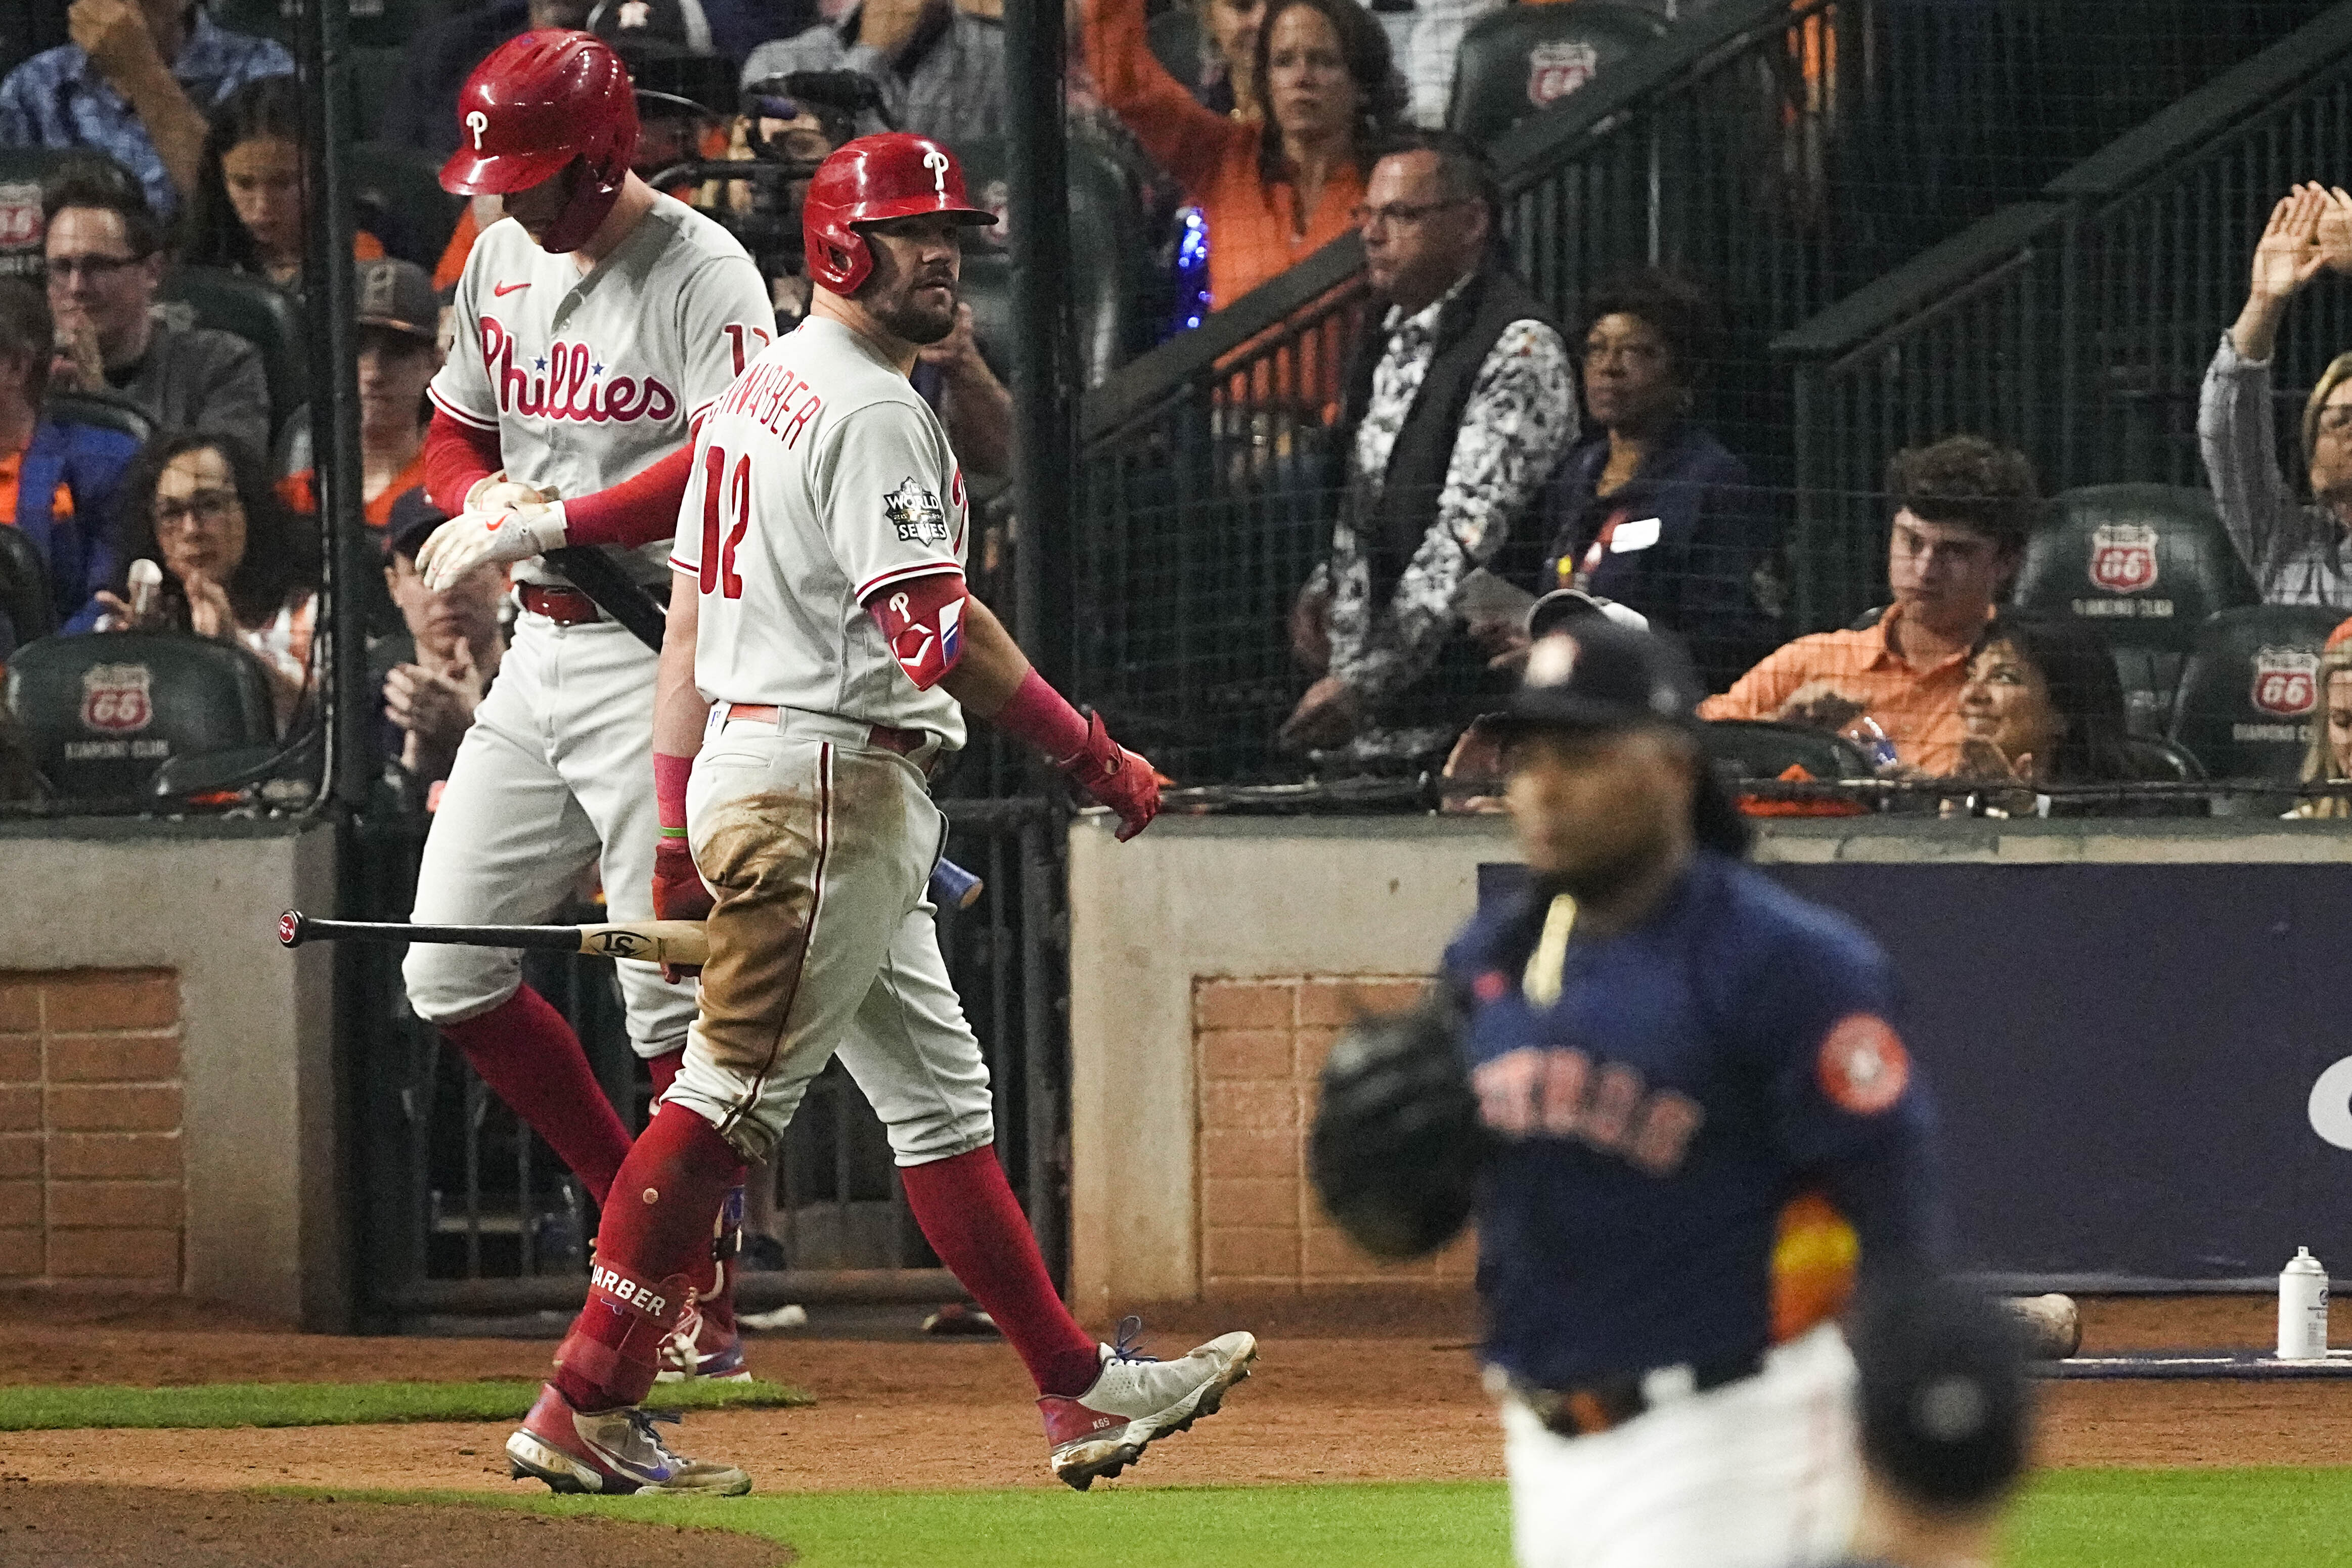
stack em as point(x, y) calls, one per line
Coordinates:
point(435, 706)
point(209, 615)
point(1818, 705)
point(77, 366)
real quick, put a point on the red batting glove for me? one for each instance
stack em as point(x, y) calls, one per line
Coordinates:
point(678, 895)
point(1116, 778)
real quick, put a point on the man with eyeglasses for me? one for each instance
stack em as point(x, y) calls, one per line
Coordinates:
point(104, 253)
point(1458, 402)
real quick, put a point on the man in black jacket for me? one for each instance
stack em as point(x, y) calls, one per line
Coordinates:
point(1458, 402)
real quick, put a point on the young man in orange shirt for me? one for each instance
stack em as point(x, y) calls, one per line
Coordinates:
point(1963, 507)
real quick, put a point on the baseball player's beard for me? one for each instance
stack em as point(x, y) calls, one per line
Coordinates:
point(1610, 866)
point(911, 322)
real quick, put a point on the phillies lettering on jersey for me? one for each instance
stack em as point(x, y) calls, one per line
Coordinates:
point(567, 382)
point(589, 379)
point(823, 483)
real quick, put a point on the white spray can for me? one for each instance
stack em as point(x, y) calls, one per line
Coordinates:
point(2302, 1309)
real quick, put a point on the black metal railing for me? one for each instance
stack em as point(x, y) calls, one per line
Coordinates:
point(2076, 327)
point(464, 1212)
point(1784, 152)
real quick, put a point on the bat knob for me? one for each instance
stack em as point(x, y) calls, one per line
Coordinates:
point(289, 928)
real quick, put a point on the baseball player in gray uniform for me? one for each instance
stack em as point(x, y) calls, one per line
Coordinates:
point(821, 653)
point(594, 324)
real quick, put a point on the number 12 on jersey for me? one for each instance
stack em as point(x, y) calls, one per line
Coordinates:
point(718, 571)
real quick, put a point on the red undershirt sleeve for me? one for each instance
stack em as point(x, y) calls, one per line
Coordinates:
point(457, 457)
point(638, 511)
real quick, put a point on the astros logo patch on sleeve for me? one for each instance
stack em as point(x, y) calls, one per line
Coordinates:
point(1863, 1067)
point(915, 511)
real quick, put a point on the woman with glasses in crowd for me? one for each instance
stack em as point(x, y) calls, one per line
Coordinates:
point(2296, 549)
point(1279, 182)
point(237, 567)
point(1650, 511)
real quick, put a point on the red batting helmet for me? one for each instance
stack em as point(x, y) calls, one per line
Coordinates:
point(894, 175)
point(540, 101)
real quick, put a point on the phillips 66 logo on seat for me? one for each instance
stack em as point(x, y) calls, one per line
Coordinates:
point(2123, 558)
point(114, 698)
point(1556, 69)
point(2286, 680)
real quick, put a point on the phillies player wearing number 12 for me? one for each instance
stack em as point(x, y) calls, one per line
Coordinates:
point(821, 651)
point(1691, 1075)
point(594, 324)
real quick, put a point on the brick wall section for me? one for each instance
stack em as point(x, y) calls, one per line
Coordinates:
point(91, 1191)
point(1258, 1046)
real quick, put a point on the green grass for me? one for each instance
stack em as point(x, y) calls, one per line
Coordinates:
point(2073, 1519)
point(326, 1403)
point(2211, 1518)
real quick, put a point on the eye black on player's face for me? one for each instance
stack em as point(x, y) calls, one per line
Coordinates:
point(1597, 810)
point(918, 262)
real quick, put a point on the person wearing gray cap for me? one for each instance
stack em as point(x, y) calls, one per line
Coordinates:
point(1947, 1424)
point(1672, 1057)
point(399, 318)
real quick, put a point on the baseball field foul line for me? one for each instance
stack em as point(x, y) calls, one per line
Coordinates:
point(330, 1404)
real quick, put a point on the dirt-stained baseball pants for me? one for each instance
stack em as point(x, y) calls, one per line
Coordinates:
point(1761, 1473)
point(817, 845)
point(556, 773)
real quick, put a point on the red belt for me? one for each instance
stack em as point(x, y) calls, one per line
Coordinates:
point(904, 742)
point(565, 606)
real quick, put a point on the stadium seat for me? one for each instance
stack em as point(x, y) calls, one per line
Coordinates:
point(2250, 689)
point(2143, 565)
point(24, 589)
point(267, 317)
point(1518, 61)
point(398, 192)
point(22, 170)
point(1177, 43)
point(1759, 749)
point(105, 410)
point(1112, 311)
point(102, 713)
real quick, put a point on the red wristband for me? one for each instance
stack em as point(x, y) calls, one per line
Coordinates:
point(1042, 717)
point(670, 774)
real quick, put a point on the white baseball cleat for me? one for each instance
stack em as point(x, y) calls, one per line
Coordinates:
point(1136, 1400)
point(614, 1452)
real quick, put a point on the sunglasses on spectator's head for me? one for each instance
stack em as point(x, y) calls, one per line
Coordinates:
point(197, 506)
point(97, 268)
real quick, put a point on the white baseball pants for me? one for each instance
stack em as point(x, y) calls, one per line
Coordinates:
point(818, 846)
point(1761, 1473)
point(555, 774)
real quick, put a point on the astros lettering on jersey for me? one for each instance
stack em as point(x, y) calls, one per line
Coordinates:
point(820, 479)
point(588, 380)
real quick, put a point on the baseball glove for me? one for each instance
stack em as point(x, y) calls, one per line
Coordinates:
point(1397, 1145)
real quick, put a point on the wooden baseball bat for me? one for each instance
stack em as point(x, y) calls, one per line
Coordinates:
point(654, 941)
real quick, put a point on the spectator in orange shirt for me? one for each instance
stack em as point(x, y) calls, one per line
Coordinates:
point(1274, 191)
point(1963, 507)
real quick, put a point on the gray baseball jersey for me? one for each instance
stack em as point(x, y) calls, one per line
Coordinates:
point(588, 380)
point(820, 479)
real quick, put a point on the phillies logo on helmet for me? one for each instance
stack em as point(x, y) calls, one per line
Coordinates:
point(114, 698)
point(2286, 680)
point(1556, 69)
point(2123, 558)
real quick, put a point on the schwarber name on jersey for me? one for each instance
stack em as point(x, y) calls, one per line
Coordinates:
point(1728, 1054)
point(588, 379)
point(820, 479)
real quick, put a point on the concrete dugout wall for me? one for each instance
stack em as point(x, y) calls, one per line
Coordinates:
point(168, 1101)
point(2134, 1033)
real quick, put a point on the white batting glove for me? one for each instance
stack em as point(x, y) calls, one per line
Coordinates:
point(496, 492)
point(472, 538)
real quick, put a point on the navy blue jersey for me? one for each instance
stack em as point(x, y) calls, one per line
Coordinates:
point(1696, 1073)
